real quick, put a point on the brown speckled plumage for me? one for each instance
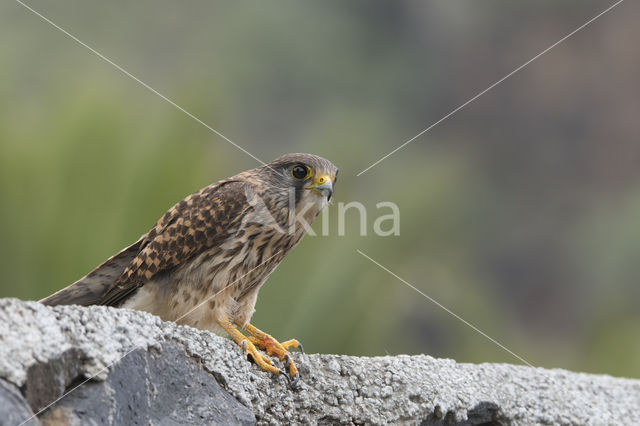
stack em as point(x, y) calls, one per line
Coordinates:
point(217, 244)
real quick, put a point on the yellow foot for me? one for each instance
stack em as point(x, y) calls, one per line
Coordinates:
point(272, 347)
point(249, 349)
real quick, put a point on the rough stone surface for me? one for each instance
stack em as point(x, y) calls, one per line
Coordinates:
point(46, 351)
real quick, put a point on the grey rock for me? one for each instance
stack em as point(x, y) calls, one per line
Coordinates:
point(159, 387)
point(14, 409)
point(45, 351)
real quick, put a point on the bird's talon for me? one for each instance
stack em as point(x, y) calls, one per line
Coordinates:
point(284, 373)
point(293, 343)
point(259, 339)
point(295, 382)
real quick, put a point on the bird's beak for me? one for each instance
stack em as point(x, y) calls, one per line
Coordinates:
point(323, 185)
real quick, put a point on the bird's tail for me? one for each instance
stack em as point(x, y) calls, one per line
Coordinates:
point(88, 289)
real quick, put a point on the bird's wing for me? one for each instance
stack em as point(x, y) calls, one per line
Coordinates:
point(88, 289)
point(200, 221)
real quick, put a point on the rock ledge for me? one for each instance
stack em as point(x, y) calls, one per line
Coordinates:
point(178, 375)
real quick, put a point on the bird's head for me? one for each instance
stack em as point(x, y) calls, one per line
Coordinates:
point(309, 177)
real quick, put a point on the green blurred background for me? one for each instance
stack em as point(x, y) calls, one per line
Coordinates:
point(519, 213)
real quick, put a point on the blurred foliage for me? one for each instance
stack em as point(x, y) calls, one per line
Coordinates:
point(518, 213)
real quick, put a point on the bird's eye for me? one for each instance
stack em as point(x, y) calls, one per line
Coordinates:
point(300, 172)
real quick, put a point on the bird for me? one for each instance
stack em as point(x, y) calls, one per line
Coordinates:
point(204, 261)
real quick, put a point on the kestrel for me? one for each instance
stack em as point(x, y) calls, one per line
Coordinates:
point(204, 261)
